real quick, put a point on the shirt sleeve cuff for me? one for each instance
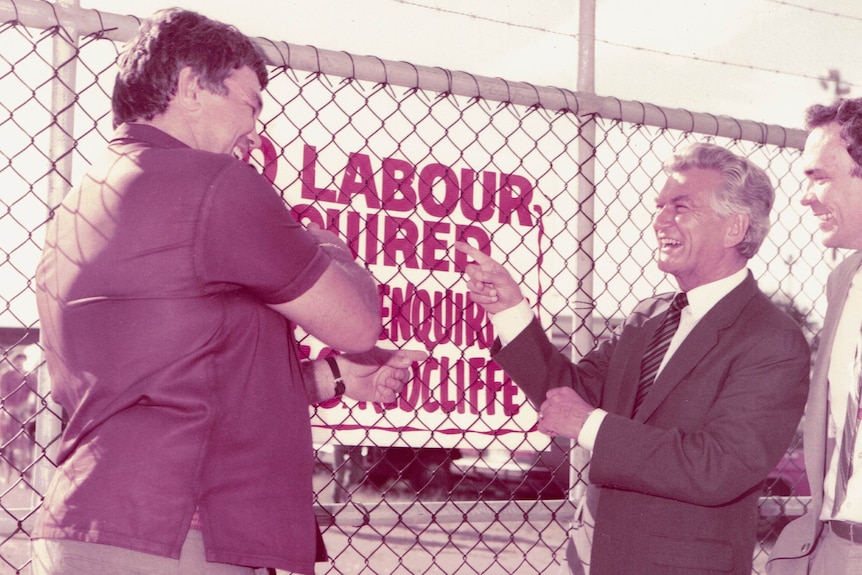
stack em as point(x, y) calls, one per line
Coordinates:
point(590, 430)
point(512, 321)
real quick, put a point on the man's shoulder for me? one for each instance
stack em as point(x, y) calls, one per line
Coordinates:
point(186, 167)
point(761, 316)
point(221, 167)
point(848, 266)
point(156, 148)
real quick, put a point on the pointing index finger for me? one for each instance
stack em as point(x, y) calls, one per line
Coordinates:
point(409, 356)
point(478, 255)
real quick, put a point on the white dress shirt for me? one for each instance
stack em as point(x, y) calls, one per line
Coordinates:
point(843, 381)
point(511, 322)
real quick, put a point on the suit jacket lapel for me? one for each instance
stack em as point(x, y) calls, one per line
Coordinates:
point(700, 342)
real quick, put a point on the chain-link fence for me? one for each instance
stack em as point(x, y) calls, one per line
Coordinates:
point(401, 160)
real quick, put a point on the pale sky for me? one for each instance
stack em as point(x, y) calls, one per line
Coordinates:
point(751, 59)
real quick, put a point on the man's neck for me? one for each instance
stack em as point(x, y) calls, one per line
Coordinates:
point(173, 125)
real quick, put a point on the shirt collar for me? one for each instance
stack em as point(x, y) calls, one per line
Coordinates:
point(132, 131)
point(702, 298)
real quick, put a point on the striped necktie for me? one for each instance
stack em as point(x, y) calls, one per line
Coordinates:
point(658, 347)
point(848, 437)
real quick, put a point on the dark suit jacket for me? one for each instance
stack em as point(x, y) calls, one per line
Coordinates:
point(679, 483)
point(795, 545)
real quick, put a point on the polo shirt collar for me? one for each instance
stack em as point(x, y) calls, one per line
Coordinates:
point(146, 133)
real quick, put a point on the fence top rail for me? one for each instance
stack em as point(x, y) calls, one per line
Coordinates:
point(42, 14)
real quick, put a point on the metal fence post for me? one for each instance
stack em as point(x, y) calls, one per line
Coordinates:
point(583, 303)
point(62, 146)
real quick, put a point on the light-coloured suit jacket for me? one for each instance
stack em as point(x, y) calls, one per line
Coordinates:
point(679, 482)
point(793, 549)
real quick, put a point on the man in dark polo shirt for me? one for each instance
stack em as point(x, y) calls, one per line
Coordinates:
point(168, 290)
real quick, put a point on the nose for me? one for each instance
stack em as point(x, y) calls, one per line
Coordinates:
point(659, 218)
point(245, 145)
point(808, 196)
point(254, 141)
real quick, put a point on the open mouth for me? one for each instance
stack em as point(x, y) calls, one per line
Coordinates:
point(826, 219)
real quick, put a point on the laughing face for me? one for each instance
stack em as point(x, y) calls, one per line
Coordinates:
point(695, 244)
point(226, 122)
point(832, 192)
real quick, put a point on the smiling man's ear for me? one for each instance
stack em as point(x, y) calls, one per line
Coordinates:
point(736, 229)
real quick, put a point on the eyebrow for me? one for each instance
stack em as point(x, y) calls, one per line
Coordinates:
point(675, 199)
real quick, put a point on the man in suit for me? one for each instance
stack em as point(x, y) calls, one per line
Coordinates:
point(678, 460)
point(828, 538)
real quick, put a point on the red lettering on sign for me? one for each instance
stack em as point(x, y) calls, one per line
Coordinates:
point(310, 191)
point(440, 193)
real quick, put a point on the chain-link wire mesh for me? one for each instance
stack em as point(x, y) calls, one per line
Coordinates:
point(401, 161)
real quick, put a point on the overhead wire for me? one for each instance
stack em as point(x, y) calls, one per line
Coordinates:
point(815, 10)
point(654, 50)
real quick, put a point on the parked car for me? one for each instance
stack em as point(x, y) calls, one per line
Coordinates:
point(785, 492)
point(788, 477)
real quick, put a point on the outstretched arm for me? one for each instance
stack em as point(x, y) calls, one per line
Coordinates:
point(377, 375)
point(562, 411)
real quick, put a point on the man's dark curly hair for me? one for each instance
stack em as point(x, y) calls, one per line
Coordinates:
point(168, 42)
point(847, 114)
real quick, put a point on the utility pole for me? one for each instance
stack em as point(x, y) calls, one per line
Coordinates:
point(839, 86)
